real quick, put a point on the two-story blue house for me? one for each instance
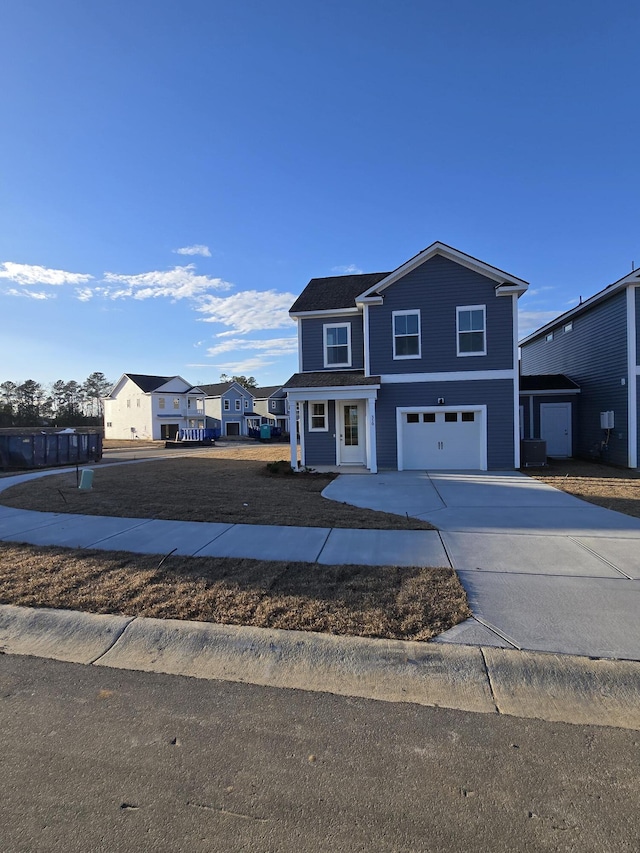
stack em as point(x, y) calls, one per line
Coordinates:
point(597, 345)
point(229, 409)
point(411, 369)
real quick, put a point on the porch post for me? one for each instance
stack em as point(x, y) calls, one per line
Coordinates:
point(293, 443)
point(372, 454)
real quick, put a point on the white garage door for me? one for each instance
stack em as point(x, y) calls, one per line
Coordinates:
point(439, 440)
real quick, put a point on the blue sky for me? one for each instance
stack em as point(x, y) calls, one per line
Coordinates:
point(173, 173)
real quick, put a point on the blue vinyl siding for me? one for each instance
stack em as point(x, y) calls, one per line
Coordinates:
point(637, 289)
point(496, 394)
point(437, 288)
point(593, 354)
point(525, 400)
point(313, 343)
point(320, 447)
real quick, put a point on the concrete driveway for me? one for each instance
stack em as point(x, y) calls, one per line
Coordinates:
point(543, 570)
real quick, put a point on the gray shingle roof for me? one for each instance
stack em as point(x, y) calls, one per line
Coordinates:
point(327, 379)
point(338, 291)
point(219, 388)
point(267, 391)
point(148, 383)
point(547, 382)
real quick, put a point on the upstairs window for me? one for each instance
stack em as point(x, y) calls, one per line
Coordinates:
point(238, 404)
point(274, 405)
point(226, 406)
point(176, 402)
point(406, 334)
point(161, 402)
point(337, 345)
point(246, 404)
point(471, 329)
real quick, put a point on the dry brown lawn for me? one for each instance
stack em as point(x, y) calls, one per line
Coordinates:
point(612, 488)
point(209, 486)
point(387, 602)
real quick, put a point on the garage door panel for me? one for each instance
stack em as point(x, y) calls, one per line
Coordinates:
point(440, 440)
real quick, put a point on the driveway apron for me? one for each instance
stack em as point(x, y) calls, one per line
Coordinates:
point(542, 569)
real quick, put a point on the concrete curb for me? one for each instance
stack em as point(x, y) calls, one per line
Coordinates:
point(558, 688)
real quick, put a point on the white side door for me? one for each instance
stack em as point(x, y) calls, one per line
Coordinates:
point(351, 447)
point(555, 428)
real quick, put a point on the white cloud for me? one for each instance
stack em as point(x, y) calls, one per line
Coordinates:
point(29, 274)
point(84, 294)
point(246, 367)
point(30, 294)
point(272, 347)
point(177, 283)
point(194, 250)
point(248, 311)
point(350, 269)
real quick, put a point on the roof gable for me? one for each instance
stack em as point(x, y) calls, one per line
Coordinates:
point(502, 279)
point(268, 391)
point(219, 389)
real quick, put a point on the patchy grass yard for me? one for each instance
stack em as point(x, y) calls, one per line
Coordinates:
point(612, 488)
point(388, 602)
point(206, 487)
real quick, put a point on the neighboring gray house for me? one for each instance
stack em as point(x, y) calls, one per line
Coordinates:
point(548, 406)
point(411, 369)
point(272, 406)
point(597, 345)
point(229, 407)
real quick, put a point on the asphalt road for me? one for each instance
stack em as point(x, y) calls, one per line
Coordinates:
point(111, 760)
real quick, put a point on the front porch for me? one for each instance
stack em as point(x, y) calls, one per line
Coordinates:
point(336, 426)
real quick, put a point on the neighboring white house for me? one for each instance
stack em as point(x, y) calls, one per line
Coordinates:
point(152, 407)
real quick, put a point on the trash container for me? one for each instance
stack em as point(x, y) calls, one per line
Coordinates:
point(265, 431)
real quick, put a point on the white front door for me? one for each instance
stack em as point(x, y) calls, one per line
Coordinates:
point(351, 448)
point(555, 428)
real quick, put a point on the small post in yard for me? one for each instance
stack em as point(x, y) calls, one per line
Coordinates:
point(86, 479)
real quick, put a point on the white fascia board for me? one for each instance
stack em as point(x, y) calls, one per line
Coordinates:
point(450, 376)
point(516, 383)
point(601, 296)
point(508, 289)
point(452, 254)
point(118, 386)
point(329, 313)
point(369, 300)
point(368, 392)
point(557, 392)
point(632, 380)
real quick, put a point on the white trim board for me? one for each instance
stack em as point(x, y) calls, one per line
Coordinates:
point(449, 376)
point(632, 383)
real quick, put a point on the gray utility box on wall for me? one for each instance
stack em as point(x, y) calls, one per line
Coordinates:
point(533, 452)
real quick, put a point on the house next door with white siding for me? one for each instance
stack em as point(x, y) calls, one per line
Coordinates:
point(555, 428)
point(442, 438)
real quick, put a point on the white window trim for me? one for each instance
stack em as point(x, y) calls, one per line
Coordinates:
point(227, 406)
point(460, 308)
point(274, 405)
point(246, 403)
point(346, 326)
point(395, 314)
point(161, 402)
point(324, 403)
point(238, 404)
